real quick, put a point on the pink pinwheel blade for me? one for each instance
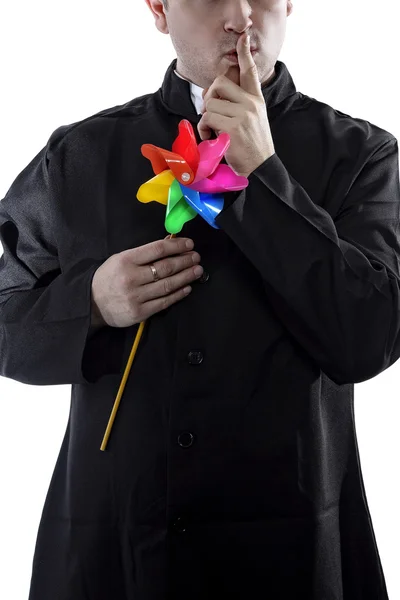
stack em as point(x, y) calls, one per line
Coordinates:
point(211, 153)
point(224, 179)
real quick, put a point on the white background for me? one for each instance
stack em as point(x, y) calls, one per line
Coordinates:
point(61, 62)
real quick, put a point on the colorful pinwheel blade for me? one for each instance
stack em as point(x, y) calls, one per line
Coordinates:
point(207, 206)
point(224, 179)
point(186, 145)
point(211, 153)
point(157, 188)
point(164, 159)
point(179, 211)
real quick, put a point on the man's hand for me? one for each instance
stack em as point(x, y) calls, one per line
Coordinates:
point(124, 291)
point(240, 111)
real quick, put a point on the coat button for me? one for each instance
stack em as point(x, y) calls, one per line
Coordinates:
point(204, 277)
point(185, 439)
point(195, 358)
point(179, 524)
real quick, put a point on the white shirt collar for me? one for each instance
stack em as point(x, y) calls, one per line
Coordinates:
point(195, 94)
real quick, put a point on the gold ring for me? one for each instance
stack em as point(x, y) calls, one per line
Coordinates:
point(154, 271)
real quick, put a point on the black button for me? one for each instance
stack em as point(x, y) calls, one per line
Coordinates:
point(204, 277)
point(179, 525)
point(185, 439)
point(195, 358)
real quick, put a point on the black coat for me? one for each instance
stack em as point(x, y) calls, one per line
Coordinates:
point(299, 301)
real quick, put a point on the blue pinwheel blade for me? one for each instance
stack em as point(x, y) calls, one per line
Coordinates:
point(206, 205)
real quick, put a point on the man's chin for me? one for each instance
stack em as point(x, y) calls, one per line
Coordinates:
point(231, 71)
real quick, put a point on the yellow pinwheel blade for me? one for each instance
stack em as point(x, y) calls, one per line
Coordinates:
point(157, 188)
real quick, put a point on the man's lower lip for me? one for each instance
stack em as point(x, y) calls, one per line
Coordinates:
point(234, 57)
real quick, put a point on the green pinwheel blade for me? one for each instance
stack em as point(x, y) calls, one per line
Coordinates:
point(178, 210)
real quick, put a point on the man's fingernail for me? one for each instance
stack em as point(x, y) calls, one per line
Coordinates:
point(247, 40)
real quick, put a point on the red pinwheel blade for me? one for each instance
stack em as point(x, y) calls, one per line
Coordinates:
point(186, 145)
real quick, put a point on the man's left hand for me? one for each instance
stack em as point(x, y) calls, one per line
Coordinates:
point(240, 111)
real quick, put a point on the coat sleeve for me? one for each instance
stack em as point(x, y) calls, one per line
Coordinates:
point(45, 311)
point(333, 285)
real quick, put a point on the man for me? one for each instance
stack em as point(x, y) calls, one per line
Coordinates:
point(232, 470)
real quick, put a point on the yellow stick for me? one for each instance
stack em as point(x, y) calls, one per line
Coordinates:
point(122, 385)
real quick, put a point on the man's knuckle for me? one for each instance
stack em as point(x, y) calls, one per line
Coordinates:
point(168, 269)
point(167, 286)
point(159, 248)
point(254, 106)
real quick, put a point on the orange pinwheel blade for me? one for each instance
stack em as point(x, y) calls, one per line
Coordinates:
point(164, 159)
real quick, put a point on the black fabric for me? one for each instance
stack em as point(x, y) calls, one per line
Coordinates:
point(302, 301)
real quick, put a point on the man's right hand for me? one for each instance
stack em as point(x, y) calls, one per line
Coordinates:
point(124, 291)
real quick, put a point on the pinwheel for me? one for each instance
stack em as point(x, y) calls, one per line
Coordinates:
point(189, 181)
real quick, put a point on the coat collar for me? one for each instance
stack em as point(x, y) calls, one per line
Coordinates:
point(175, 93)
